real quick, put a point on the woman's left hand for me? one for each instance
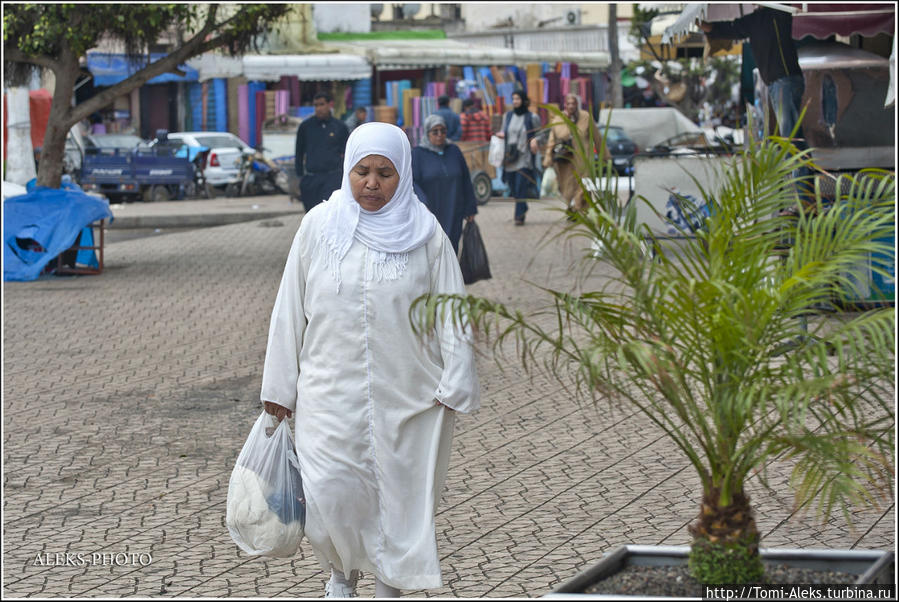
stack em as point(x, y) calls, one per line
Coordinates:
point(534, 145)
point(278, 411)
point(469, 219)
point(444, 405)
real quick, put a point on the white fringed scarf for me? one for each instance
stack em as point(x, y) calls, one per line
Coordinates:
point(392, 232)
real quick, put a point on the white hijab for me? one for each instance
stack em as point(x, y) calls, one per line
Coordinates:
point(399, 227)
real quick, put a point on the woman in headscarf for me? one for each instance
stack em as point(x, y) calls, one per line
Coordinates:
point(374, 403)
point(519, 166)
point(443, 181)
point(562, 151)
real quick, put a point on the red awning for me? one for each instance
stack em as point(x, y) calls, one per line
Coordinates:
point(39, 102)
point(824, 20)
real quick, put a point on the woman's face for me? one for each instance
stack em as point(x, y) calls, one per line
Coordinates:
point(437, 135)
point(373, 181)
point(571, 105)
point(516, 100)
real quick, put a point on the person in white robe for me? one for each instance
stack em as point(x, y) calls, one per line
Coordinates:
point(374, 404)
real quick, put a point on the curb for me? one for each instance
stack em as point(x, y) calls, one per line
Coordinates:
point(193, 221)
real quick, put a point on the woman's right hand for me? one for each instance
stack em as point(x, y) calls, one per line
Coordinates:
point(500, 135)
point(278, 411)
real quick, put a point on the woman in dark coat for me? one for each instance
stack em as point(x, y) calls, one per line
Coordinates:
point(442, 180)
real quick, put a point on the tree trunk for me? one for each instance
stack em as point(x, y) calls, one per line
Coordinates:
point(615, 67)
point(49, 171)
point(728, 528)
point(63, 116)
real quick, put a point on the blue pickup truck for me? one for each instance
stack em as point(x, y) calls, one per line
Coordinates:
point(124, 167)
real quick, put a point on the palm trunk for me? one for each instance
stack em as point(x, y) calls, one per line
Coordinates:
point(725, 545)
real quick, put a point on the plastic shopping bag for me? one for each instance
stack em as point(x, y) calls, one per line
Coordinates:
point(266, 510)
point(549, 185)
point(497, 151)
point(473, 255)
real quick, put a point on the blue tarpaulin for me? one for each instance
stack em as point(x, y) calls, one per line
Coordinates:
point(43, 223)
point(111, 68)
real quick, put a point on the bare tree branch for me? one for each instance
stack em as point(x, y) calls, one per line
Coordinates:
point(167, 64)
point(17, 56)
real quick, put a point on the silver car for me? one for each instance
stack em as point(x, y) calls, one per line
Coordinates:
point(225, 151)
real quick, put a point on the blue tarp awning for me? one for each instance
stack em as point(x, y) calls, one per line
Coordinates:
point(43, 223)
point(111, 68)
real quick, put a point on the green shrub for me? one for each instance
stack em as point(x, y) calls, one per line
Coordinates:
point(718, 564)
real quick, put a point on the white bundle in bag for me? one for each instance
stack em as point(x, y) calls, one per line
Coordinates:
point(496, 152)
point(549, 186)
point(266, 509)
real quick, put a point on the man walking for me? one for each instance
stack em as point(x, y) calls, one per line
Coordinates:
point(475, 124)
point(453, 125)
point(358, 117)
point(321, 140)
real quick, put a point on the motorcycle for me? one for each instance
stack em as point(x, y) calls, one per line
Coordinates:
point(198, 156)
point(258, 175)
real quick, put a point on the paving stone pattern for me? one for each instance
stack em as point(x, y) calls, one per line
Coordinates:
point(127, 397)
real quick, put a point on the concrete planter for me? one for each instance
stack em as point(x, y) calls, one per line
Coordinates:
point(871, 566)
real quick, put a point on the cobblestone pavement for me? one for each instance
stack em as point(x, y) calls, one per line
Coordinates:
point(127, 397)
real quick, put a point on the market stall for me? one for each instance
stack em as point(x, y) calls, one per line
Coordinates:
point(410, 75)
point(261, 87)
point(810, 20)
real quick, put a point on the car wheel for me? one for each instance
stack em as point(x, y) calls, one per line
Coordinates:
point(483, 187)
point(157, 194)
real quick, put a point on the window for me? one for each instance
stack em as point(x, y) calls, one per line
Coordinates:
point(219, 141)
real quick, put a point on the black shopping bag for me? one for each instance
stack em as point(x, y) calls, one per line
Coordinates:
point(473, 256)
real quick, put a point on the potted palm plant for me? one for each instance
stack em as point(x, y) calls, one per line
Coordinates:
point(723, 338)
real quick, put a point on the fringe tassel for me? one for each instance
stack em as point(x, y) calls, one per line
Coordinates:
point(332, 255)
point(381, 266)
point(386, 266)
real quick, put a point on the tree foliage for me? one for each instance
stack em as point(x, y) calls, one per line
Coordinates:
point(39, 34)
point(706, 81)
point(640, 22)
point(58, 36)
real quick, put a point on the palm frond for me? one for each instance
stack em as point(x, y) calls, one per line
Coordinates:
point(710, 336)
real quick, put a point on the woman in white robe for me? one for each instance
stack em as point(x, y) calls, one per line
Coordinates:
point(374, 403)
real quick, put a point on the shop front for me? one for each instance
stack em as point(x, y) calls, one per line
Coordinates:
point(409, 76)
point(155, 105)
point(262, 87)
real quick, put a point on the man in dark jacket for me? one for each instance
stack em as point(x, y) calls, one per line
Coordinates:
point(321, 140)
point(770, 37)
point(453, 123)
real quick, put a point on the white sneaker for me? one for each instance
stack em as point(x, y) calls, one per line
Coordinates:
point(342, 589)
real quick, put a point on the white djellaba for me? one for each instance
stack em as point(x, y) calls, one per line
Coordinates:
point(372, 440)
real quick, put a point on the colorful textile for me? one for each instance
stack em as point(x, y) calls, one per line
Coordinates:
point(554, 85)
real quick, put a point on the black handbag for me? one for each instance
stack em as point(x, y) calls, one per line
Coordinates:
point(473, 256)
point(562, 152)
point(512, 154)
